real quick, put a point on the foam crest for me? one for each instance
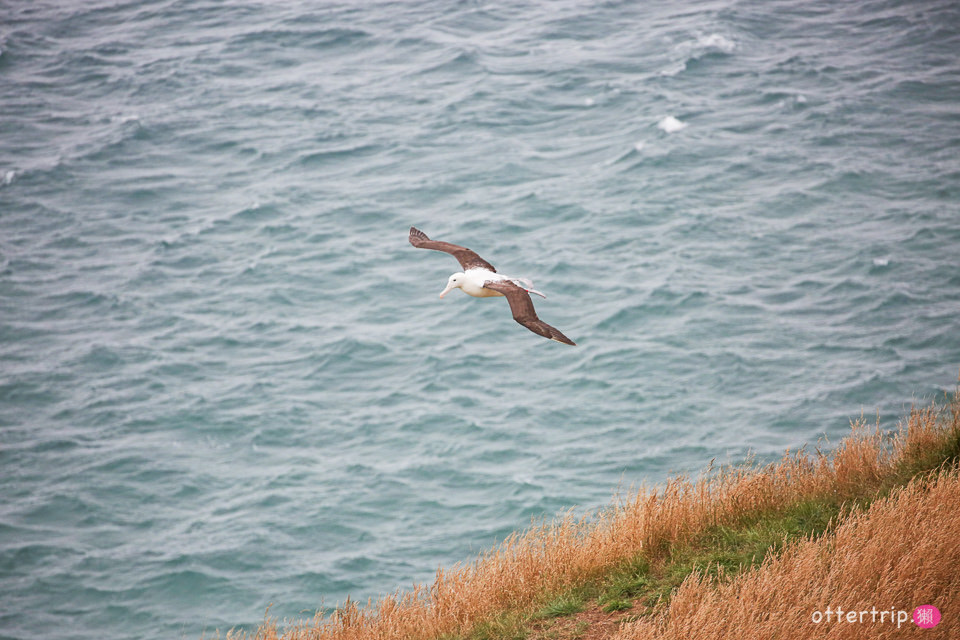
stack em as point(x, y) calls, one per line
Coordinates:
point(671, 125)
point(716, 42)
point(693, 50)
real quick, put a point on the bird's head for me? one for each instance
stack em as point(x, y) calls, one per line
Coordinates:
point(453, 282)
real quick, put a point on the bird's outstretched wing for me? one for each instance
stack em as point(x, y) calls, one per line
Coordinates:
point(523, 312)
point(467, 258)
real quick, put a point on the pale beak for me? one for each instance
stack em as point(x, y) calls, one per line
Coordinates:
point(447, 290)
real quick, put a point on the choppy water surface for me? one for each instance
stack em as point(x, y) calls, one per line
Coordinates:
point(227, 380)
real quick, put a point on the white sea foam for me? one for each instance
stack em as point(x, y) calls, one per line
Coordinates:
point(9, 177)
point(717, 42)
point(695, 49)
point(674, 69)
point(671, 125)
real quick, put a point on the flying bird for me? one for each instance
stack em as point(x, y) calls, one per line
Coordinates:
point(480, 280)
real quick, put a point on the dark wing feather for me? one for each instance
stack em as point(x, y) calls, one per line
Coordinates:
point(467, 258)
point(522, 308)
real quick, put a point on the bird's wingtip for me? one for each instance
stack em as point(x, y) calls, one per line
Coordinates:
point(562, 339)
point(416, 236)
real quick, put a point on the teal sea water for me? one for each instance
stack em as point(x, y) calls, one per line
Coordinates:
point(226, 380)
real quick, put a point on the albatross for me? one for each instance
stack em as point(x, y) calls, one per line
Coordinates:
point(480, 280)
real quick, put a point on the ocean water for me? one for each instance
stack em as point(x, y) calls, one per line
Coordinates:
point(227, 382)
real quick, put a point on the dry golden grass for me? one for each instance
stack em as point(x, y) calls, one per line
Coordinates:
point(879, 564)
point(545, 560)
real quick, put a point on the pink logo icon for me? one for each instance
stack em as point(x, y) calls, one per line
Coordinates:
point(926, 616)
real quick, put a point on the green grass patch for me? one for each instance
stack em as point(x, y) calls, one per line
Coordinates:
point(627, 582)
point(509, 625)
point(720, 550)
point(612, 606)
point(726, 551)
point(565, 604)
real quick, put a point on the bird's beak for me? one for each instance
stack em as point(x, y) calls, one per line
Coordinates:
point(447, 290)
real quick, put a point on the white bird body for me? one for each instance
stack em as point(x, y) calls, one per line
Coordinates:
point(471, 283)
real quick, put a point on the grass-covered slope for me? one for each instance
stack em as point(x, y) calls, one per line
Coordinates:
point(862, 580)
point(661, 563)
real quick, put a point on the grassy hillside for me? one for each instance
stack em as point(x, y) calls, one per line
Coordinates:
point(863, 580)
point(750, 550)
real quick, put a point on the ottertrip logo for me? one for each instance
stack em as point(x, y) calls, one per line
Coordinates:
point(925, 616)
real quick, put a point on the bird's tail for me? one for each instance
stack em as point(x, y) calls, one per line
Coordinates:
point(527, 285)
